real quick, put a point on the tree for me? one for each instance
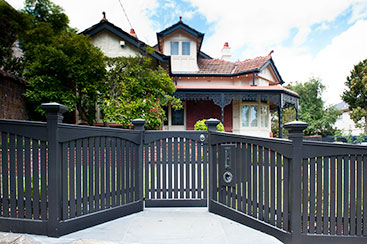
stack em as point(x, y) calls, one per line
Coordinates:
point(356, 95)
point(12, 25)
point(289, 115)
point(137, 89)
point(68, 71)
point(312, 108)
point(61, 66)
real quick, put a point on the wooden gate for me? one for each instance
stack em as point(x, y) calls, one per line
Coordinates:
point(175, 168)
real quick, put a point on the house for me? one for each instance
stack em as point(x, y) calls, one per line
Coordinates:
point(345, 123)
point(241, 94)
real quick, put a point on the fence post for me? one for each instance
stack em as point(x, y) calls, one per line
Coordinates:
point(295, 130)
point(139, 126)
point(212, 126)
point(54, 116)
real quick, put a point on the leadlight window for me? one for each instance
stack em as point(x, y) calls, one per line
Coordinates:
point(174, 48)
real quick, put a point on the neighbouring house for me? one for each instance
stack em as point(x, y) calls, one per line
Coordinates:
point(345, 123)
point(240, 94)
point(114, 42)
point(12, 100)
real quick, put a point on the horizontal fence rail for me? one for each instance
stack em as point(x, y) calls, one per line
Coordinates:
point(176, 169)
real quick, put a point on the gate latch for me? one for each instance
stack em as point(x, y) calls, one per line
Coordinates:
point(227, 162)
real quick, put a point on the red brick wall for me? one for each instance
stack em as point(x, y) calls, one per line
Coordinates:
point(197, 110)
point(12, 101)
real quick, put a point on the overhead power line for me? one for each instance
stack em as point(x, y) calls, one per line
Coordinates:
point(123, 9)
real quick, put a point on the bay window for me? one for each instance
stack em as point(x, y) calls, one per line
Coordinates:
point(255, 116)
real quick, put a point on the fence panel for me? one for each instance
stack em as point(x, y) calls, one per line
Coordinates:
point(95, 173)
point(258, 193)
point(24, 163)
point(334, 179)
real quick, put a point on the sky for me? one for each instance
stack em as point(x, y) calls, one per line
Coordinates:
point(314, 38)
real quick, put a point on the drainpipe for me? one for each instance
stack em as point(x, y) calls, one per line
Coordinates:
point(253, 79)
point(280, 114)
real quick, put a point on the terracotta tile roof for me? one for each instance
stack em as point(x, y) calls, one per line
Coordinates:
point(219, 66)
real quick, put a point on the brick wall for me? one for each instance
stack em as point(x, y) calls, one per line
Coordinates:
point(197, 110)
point(12, 101)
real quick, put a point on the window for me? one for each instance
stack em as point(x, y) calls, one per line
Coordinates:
point(264, 116)
point(254, 116)
point(174, 48)
point(245, 116)
point(185, 48)
point(177, 117)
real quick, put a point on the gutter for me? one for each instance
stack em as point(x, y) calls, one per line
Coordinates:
point(217, 74)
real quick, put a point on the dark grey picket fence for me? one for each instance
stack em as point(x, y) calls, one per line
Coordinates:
point(58, 178)
point(298, 191)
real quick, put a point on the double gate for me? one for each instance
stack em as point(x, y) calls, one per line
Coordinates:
point(294, 190)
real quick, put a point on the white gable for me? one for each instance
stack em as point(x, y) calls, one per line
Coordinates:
point(111, 45)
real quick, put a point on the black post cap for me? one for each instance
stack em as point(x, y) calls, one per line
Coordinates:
point(138, 124)
point(212, 124)
point(296, 127)
point(54, 108)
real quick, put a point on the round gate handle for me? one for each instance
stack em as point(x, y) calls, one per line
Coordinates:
point(227, 177)
point(202, 137)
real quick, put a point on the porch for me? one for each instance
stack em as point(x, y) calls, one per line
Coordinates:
point(227, 105)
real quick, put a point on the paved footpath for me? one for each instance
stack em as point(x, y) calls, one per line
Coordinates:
point(157, 226)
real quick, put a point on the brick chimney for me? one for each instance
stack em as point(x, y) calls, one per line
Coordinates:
point(226, 52)
point(132, 32)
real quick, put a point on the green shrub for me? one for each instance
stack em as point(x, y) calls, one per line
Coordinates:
point(200, 125)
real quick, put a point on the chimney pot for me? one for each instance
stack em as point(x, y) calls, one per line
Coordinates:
point(132, 32)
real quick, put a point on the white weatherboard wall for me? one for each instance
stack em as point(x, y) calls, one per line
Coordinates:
point(181, 63)
point(110, 45)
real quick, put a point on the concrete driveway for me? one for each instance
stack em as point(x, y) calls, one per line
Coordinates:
point(164, 226)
